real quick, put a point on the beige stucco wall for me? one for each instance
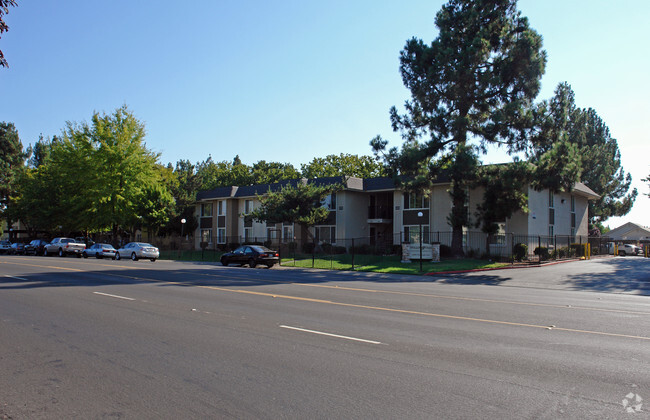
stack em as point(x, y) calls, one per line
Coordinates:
point(398, 206)
point(441, 204)
point(538, 212)
point(352, 220)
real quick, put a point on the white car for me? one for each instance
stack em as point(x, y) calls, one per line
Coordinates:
point(629, 249)
point(100, 251)
point(137, 250)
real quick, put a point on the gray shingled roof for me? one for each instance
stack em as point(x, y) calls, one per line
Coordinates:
point(219, 192)
point(581, 188)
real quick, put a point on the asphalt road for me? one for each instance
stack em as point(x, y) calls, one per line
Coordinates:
point(120, 339)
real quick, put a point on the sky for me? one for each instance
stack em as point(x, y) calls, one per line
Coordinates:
point(288, 81)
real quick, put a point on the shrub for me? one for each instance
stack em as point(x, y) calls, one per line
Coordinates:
point(578, 250)
point(338, 250)
point(233, 245)
point(396, 250)
point(308, 247)
point(361, 249)
point(268, 243)
point(520, 251)
point(542, 253)
point(292, 246)
point(445, 251)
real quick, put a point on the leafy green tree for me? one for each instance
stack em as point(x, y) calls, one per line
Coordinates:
point(154, 207)
point(301, 204)
point(602, 170)
point(556, 158)
point(504, 193)
point(222, 174)
point(184, 183)
point(124, 167)
point(41, 151)
point(264, 172)
point(343, 165)
point(97, 177)
point(12, 159)
point(574, 144)
point(4, 9)
point(474, 83)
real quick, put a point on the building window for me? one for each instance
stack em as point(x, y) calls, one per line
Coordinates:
point(287, 233)
point(206, 235)
point(325, 234)
point(272, 234)
point(416, 201)
point(206, 210)
point(412, 234)
point(248, 206)
point(551, 199)
point(573, 203)
point(329, 201)
point(248, 234)
point(221, 208)
point(221, 235)
point(551, 231)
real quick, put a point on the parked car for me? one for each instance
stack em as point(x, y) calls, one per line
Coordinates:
point(35, 247)
point(251, 255)
point(629, 249)
point(17, 248)
point(63, 247)
point(100, 251)
point(137, 250)
point(4, 247)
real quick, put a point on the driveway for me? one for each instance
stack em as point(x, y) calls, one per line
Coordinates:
point(630, 275)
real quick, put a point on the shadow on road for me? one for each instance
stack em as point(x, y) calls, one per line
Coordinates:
point(623, 274)
point(615, 275)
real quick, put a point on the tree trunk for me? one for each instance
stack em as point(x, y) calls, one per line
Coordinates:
point(457, 219)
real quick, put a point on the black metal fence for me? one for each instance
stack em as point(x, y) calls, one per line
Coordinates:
point(377, 250)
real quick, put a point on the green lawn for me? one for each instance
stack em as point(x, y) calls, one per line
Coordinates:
point(389, 264)
point(374, 263)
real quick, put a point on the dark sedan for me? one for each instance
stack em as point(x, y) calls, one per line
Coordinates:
point(17, 248)
point(251, 255)
point(35, 247)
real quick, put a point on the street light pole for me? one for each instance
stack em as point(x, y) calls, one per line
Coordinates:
point(420, 214)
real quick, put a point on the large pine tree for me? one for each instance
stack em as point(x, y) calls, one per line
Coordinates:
point(471, 87)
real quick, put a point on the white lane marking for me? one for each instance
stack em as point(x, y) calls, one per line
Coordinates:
point(15, 277)
point(114, 296)
point(330, 335)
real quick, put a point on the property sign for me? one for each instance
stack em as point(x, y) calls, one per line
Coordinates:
point(412, 252)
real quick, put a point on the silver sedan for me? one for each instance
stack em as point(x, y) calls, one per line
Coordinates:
point(100, 251)
point(137, 250)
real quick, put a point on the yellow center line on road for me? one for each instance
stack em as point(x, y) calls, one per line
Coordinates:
point(509, 302)
point(42, 266)
point(379, 308)
point(404, 311)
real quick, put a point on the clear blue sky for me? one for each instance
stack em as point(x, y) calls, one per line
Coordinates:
point(289, 81)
